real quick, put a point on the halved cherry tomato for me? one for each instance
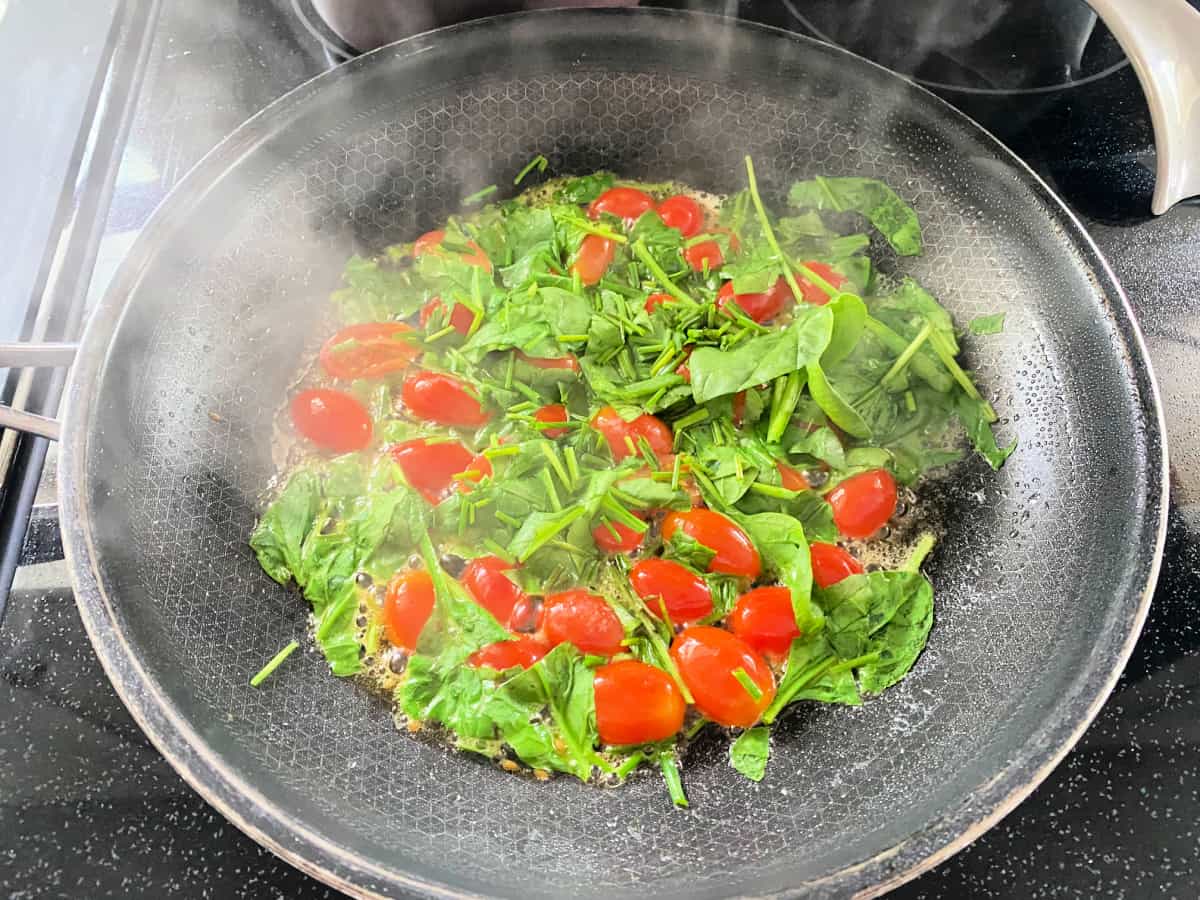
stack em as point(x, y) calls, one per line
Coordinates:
point(863, 503)
point(430, 468)
point(793, 479)
point(636, 703)
point(682, 212)
point(760, 307)
point(461, 318)
point(655, 300)
point(522, 651)
point(615, 429)
point(626, 541)
point(524, 615)
point(484, 578)
point(479, 468)
point(663, 582)
point(735, 553)
point(593, 259)
point(551, 362)
point(332, 420)
point(442, 399)
point(583, 619)
point(552, 412)
point(830, 564)
point(812, 293)
point(765, 620)
point(431, 242)
point(623, 202)
point(369, 350)
point(704, 252)
point(707, 659)
point(406, 607)
point(738, 408)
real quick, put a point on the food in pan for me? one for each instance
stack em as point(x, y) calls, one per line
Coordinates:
point(584, 472)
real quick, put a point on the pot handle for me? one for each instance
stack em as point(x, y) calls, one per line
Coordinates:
point(34, 356)
point(1161, 38)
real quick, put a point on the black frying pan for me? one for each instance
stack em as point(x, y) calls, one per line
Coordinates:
point(1043, 578)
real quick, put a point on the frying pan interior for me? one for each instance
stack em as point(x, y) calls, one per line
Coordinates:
point(1041, 578)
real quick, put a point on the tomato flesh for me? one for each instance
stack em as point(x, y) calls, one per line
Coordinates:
point(636, 703)
point(479, 468)
point(550, 414)
point(583, 619)
point(522, 651)
point(663, 582)
point(333, 420)
point(430, 468)
point(615, 430)
point(704, 255)
point(623, 202)
point(735, 553)
point(626, 540)
point(485, 580)
point(593, 259)
point(760, 307)
point(765, 620)
point(682, 212)
point(369, 350)
point(656, 300)
point(708, 659)
point(461, 318)
point(406, 607)
point(792, 479)
point(810, 292)
point(830, 564)
point(863, 503)
point(570, 363)
point(443, 399)
point(431, 242)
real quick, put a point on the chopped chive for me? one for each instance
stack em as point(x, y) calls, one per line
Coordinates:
point(529, 392)
point(540, 163)
point(555, 463)
point(438, 335)
point(333, 613)
point(576, 281)
point(910, 401)
point(551, 493)
point(664, 280)
point(599, 230)
point(630, 445)
point(655, 397)
point(747, 682)
point(512, 365)
point(572, 465)
point(783, 403)
point(648, 454)
point(612, 529)
point(675, 470)
point(480, 194)
point(371, 638)
point(570, 338)
point(523, 406)
point(510, 521)
point(631, 762)
point(462, 519)
point(274, 664)
point(497, 550)
point(768, 231)
point(903, 359)
point(497, 452)
point(470, 513)
point(622, 515)
point(666, 616)
point(946, 355)
point(772, 490)
point(467, 475)
point(695, 417)
point(670, 770)
point(695, 728)
point(920, 551)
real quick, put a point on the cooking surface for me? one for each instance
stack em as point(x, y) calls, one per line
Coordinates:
point(100, 812)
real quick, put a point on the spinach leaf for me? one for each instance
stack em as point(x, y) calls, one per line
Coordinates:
point(813, 672)
point(849, 320)
point(585, 189)
point(443, 690)
point(685, 549)
point(993, 324)
point(750, 751)
point(664, 243)
point(890, 215)
point(531, 324)
point(375, 293)
point(821, 444)
point(834, 405)
point(281, 531)
point(974, 416)
point(784, 550)
point(899, 643)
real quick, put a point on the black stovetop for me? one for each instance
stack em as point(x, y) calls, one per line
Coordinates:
point(92, 810)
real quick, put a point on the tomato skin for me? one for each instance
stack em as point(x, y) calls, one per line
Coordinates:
point(735, 552)
point(567, 362)
point(442, 399)
point(813, 294)
point(628, 541)
point(407, 606)
point(377, 351)
point(863, 503)
point(480, 465)
point(485, 580)
point(682, 212)
point(523, 651)
point(461, 318)
point(760, 307)
point(431, 242)
point(593, 259)
point(552, 412)
point(656, 300)
point(430, 468)
point(765, 620)
point(583, 619)
point(623, 202)
point(793, 479)
point(684, 593)
point(524, 615)
point(615, 429)
point(333, 420)
point(830, 564)
point(705, 251)
point(636, 703)
point(706, 658)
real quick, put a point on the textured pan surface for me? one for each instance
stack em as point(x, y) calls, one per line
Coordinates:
point(1041, 581)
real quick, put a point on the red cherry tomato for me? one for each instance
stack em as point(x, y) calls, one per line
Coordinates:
point(623, 202)
point(735, 553)
point(442, 399)
point(333, 420)
point(615, 429)
point(485, 580)
point(655, 300)
point(738, 405)
point(431, 242)
point(430, 468)
point(479, 468)
point(369, 350)
point(764, 619)
point(863, 503)
point(592, 261)
point(406, 607)
point(551, 362)
point(707, 659)
point(583, 619)
point(682, 212)
point(626, 541)
point(552, 412)
point(705, 252)
point(524, 615)
point(636, 703)
point(662, 582)
point(461, 318)
point(522, 651)
point(793, 479)
point(830, 564)
point(759, 307)
point(812, 293)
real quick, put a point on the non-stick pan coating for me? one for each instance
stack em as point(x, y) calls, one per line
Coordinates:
point(1042, 580)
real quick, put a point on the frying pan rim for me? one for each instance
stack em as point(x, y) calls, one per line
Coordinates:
point(343, 868)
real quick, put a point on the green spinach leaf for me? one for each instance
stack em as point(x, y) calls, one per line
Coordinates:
point(750, 751)
point(890, 215)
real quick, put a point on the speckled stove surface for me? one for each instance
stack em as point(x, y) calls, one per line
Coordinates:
point(91, 809)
